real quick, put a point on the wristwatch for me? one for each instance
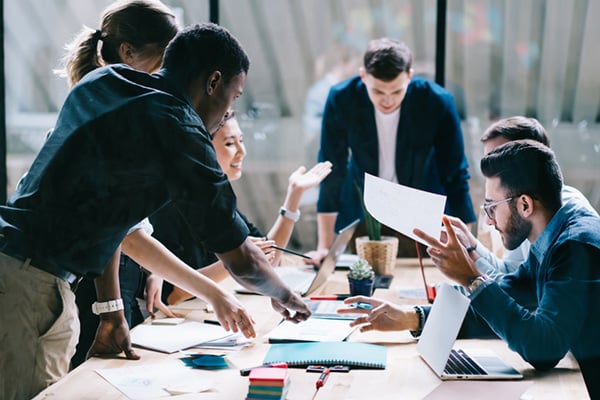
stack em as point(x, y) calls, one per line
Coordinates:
point(107, 306)
point(293, 215)
point(476, 282)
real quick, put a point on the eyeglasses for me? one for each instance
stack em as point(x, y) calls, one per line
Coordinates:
point(490, 208)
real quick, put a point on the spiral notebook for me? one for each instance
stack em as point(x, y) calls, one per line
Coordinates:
point(352, 354)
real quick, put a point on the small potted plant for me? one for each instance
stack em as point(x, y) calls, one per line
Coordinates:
point(360, 278)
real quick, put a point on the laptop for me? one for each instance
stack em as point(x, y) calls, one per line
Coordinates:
point(304, 279)
point(438, 337)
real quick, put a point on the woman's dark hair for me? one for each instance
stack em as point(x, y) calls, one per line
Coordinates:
point(387, 58)
point(137, 22)
point(526, 167)
point(201, 49)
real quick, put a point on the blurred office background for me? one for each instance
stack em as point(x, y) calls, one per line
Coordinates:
point(537, 58)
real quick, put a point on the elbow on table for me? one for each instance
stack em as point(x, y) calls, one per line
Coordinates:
point(545, 365)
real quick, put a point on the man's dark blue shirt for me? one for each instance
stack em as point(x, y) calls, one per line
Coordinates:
point(125, 144)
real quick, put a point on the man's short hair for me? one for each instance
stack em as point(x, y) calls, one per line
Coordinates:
point(387, 58)
point(526, 167)
point(201, 49)
point(517, 128)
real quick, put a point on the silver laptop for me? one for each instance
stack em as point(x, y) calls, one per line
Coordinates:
point(438, 337)
point(304, 279)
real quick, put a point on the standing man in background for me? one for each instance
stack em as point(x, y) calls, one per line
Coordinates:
point(394, 126)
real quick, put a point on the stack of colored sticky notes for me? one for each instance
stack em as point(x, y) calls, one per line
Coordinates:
point(206, 361)
point(268, 384)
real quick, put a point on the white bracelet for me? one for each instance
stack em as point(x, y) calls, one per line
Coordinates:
point(293, 215)
point(107, 306)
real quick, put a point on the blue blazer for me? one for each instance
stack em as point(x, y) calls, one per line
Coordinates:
point(429, 148)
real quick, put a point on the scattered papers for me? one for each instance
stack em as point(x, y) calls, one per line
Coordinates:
point(311, 330)
point(172, 338)
point(236, 341)
point(403, 208)
point(157, 380)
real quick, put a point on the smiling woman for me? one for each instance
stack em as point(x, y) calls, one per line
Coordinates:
point(229, 146)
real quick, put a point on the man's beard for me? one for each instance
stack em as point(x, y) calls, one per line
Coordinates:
point(516, 231)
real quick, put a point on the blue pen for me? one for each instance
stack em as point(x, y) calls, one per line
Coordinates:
point(364, 306)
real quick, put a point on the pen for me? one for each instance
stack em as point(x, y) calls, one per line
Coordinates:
point(330, 297)
point(290, 251)
point(246, 371)
point(321, 381)
point(363, 306)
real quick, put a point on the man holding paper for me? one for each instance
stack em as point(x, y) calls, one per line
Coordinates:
point(386, 123)
point(545, 308)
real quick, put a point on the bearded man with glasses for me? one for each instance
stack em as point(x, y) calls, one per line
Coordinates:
point(548, 306)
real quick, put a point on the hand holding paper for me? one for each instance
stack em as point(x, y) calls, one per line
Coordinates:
point(404, 208)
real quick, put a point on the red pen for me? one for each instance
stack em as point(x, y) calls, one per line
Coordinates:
point(322, 378)
point(330, 297)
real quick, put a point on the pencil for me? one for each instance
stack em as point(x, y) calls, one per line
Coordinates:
point(290, 251)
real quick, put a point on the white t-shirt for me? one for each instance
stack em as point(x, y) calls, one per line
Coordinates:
point(387, 129)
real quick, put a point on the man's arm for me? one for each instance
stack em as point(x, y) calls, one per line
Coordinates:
point(112, 336)
point(250, 267)
point(150, 253)
point(334, 148)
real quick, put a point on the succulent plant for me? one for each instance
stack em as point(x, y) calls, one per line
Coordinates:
point(373, 226)
point(361, 270)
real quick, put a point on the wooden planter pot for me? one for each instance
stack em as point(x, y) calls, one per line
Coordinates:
point(381, 254)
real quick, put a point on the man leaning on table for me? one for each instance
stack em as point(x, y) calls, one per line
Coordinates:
point(393, 125)
point(561, 276)
point(125, 143)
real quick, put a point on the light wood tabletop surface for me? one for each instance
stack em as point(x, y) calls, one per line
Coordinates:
point(405, 377)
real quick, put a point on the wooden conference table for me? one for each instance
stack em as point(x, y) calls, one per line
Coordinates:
point(406, 375)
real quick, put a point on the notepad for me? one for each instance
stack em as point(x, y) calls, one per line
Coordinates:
point(353, 354)
point(171, 338)
point(311, 330)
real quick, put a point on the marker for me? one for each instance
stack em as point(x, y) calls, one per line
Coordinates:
point(334, 368)
point(321, 381)
point(290, 251)
point(363, 306)
point(246, 371)
point(330, 297)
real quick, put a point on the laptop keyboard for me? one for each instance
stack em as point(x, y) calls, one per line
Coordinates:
point(460, 363)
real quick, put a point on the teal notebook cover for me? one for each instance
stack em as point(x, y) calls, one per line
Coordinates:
point(353, 354)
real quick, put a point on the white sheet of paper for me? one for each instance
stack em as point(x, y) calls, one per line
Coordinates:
point(171, 338)
point(312, 330)
point(403, 208)
point(158, 380)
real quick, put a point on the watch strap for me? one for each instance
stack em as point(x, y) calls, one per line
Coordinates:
point(107, 306)
point(293, 215)
point(476, 282)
